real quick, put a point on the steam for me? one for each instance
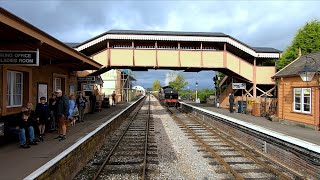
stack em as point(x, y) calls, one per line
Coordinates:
point(170, 76)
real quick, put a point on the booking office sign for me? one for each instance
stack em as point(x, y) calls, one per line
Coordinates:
point(25, 58)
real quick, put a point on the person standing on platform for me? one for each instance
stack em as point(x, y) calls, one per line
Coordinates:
point(113, 98)
point(42, 115)
point(52, 109)
point(92, 99)
point(231, 102)
point(81, 103)
point(72, 105)
point(62, 113)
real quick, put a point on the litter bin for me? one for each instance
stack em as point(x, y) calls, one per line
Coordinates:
point(256, 109)
point(242, 106)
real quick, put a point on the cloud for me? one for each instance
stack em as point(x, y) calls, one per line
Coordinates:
point(170, 76)
point(256, 23)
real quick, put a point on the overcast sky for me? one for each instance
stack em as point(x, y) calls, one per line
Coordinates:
point(256, 23)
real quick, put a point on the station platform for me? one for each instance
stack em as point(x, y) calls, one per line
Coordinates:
point(305, 134)
point(17, 163)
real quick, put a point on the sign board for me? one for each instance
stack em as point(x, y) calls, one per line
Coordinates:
point(71, 90)
point(87, 87)
point(250, 102)
point(238, 85)
point(87, 78)
point(26, 58)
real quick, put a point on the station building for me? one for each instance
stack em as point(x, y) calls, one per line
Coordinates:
point(34, 64)
point(299, 91)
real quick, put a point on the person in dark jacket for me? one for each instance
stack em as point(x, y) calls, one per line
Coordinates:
point(81, 104)
point(42, 115)
point(32, 119)
point(231, 102)
point(62, 113)
point(52, 108)
point(25, 127)
point(92, 99)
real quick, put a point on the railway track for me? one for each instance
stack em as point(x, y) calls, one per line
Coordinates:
point(232, 158)
point(128, 158)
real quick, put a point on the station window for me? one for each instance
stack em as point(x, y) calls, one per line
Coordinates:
point(57, 83)
point(302, 100)
point(14, 89)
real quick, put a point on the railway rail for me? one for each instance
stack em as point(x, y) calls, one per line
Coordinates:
point(128, 156)
point(237, 159)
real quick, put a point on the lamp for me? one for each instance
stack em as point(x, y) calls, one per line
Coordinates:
point(309, 70)
point(215, 78)
point(196, 92)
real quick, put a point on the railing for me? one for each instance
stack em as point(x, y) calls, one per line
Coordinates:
point(164, 47)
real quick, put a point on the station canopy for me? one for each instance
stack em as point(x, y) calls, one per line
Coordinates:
point(19, 35)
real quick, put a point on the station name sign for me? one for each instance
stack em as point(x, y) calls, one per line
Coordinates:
point(87, 78)
point(238, 85)
point(26, 58)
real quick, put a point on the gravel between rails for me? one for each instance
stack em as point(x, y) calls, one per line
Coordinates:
point(178, 157)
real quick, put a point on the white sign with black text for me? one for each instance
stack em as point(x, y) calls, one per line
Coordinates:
point(238, 85)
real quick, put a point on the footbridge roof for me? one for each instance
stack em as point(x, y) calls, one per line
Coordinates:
point(259, 52)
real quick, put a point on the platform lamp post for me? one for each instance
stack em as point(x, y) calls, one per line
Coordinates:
point(215, 78)
point(309, 70)
point(196, 91)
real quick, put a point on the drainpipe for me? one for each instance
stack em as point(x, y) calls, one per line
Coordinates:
point(282, 97)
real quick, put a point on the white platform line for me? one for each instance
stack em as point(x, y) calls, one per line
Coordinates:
point(304, 144)
point(53, 161)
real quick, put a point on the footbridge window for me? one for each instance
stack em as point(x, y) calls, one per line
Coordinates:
point(302, 100)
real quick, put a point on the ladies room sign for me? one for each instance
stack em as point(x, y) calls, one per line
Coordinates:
point(26, 58)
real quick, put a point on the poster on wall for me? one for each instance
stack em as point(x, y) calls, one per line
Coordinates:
point(42, 91)
point(87, 87)
point(71, 90)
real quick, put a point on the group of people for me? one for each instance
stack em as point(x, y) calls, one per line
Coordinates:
point(58, 112)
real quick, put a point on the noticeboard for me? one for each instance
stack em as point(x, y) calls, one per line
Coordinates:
point(238, 85)
point(26, 58)
point(87, 78)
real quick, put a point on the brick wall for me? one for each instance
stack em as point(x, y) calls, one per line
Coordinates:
point(45, 74)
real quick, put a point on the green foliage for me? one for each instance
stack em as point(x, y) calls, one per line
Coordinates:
point(186, 94)
point(307, 38)
point(156, 85)
point(220, 76)
point(204, 94)
point(178, 83)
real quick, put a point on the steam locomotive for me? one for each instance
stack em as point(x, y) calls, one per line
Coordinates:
point(168, 96)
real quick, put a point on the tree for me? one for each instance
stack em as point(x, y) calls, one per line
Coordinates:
point(178, 83)
point(156, 85)
point(204, 94)
point(307, 38)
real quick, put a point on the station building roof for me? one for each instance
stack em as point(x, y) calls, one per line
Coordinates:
point(298, 64)
point(17, 34)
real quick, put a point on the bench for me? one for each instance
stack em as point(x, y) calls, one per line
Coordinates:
point(8, 132)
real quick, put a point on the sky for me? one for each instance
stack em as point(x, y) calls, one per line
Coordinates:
point(270, 23)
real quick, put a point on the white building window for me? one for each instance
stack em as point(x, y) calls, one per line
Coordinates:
point(57, 83)
point(302, 100)
point(14, 89)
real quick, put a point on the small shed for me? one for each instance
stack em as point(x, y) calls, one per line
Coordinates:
point(298, 97)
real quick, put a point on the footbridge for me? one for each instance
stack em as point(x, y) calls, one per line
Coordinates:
point(188, 51)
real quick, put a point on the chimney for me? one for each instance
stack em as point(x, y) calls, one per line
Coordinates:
point(300, 53)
